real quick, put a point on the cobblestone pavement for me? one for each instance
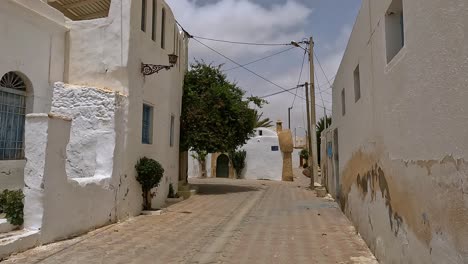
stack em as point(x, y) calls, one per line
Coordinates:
point(230, 221)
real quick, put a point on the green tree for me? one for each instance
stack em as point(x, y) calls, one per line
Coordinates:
point(319, 128)
point(262, 122)
point(215, 115)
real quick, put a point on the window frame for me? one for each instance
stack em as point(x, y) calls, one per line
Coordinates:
point(143, 15)
point(154, 21)
point(343, 102)
point(147, 118)
point(163, 28)
point(394, 29)
point(171, 131)
point(357, 83)
point(13, 109)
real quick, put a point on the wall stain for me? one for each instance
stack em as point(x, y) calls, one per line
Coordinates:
point(7, 173)
point(366, 172)
point(377, 176)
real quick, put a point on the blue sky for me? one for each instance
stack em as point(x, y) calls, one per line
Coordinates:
point(271, 21)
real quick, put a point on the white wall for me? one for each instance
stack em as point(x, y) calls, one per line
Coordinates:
point(32, 44)
point(261, 161)
point(118, 67)
point(402, 146)
point(59, 204)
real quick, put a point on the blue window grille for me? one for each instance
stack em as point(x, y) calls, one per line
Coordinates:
point(147, 125)
point(12, 116)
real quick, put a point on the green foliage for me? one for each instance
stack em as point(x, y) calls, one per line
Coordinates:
point(172, 193)
point(200, 156)
point(149, 174)
point(304, 154)
point(238, 161)
point(319, 128)
point(215, 117)
point(262, 122)
point(11, 203)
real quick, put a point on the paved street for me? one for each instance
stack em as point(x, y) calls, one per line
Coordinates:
point(230, 221)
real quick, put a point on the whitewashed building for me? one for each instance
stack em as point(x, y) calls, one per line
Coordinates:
point(264, 160)
point(80, 75)
point(397, 148)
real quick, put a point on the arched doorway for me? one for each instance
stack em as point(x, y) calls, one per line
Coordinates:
point(12, 116)
point(222, 166)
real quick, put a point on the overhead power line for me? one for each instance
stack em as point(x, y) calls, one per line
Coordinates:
point(280, 92)
point(264, 58)
point(300, 76)
point(243, 43)
point(245, 68)
point(288, 90)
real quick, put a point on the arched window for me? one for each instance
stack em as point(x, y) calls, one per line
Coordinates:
point(12, 116)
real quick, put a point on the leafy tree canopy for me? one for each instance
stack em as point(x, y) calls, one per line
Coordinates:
point(215, 117)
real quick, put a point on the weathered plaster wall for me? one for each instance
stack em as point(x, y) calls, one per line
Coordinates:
point(39, 62)
point(11, 173)
point(60, 205)
point(402, 146)
point(90, 152)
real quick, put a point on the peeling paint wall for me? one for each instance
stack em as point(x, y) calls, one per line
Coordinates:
point(402, 146)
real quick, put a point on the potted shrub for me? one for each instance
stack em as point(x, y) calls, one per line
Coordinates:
point(238, 161)
point(149, 174)
point(172, 196)
point(11, 204)
point(303, 156)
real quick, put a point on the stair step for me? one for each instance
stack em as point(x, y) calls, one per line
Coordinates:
point(6, 227)
point(17, 241)
point(187, 194)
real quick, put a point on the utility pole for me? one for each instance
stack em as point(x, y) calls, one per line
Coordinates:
point(312, 129)
point(309, 138)
point(289, 118)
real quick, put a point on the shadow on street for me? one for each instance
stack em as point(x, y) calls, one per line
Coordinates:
point(218, 189)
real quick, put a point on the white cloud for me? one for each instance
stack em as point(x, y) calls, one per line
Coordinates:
point(247, 21)
point(241, 20)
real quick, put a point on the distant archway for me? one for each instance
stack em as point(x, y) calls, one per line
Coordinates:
point(13, 96)
point(222, 166)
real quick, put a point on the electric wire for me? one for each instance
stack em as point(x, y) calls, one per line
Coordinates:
point(242, 43)
point(323, 71)
point(300, 76)
point(264, 58)
point(245, 68)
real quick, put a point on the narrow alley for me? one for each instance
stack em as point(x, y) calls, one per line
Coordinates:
point(229, 221)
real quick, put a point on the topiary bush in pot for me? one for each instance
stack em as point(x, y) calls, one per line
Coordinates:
point(149, 174)
point(304, 154)
point(238, 161)
point(11, 203)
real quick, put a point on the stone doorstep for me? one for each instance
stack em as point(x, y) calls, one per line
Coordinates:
point(17, 241)
point(5, 226)
point(171, 201)
point(187, 194)
point(155, 212)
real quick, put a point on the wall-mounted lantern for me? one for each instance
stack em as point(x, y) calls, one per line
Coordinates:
point(149, 69)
